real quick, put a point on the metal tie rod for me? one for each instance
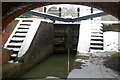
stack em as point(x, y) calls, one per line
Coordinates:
point(54, 18)
point(89, 16)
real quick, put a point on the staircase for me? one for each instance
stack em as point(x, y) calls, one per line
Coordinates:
point(21, 37)
point(97, 42)
point(66, 38)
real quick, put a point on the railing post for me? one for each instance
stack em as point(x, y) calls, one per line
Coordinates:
point(60, 12)
point(44, 11)
point(91, 12)
point(78, 12)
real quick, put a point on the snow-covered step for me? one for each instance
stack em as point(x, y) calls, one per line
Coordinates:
point(96, 42)
point(96, 50)
point(17, 44)
point(96, 38)
point(96, 46)
point(96, 27)
point(23, 27)
point(14, 55)
point(21, 37)
point(11, 61)
point(96, 31)
point(14, 49)
point(24, 30)
point(27, 20)
point(17, 39)
point(96, 34)
point(20, 34)
point(24, 24)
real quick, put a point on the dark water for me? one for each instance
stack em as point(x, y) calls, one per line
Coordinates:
point(55, 65)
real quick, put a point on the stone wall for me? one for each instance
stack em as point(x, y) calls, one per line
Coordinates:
point(41, 47)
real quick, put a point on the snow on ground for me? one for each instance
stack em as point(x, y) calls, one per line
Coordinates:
point(110, 38)
point(93, 71)
point(94, 68)
point(111, 41)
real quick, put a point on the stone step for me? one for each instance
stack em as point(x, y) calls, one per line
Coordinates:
point(18, 39)
point(27, 20)
point(24, 24)
point(96, 38)
point(96, 31)
point(19, 36)
point(14, 55)
point(96, 42)
point(14, 49)
point(16, 44)
point(98, 46)
point(23, 30)
point(23, 27)
point(96, 34)
point(13, 46)
point(11, 61)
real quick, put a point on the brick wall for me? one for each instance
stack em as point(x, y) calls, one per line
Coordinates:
point(8, 30)
point(5, 35)
point(6, 55)
point(40, 48)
